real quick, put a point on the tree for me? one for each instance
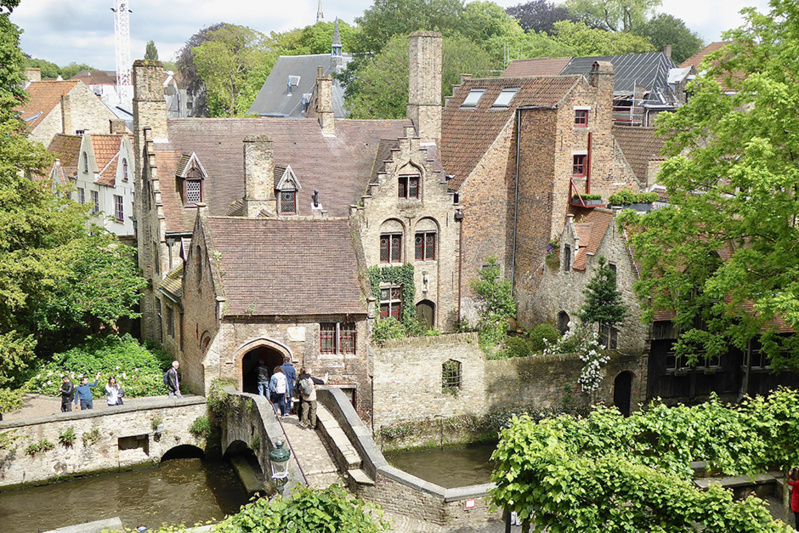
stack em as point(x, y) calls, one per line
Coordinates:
point(581, 40)
point(539, 15)
point(49, 70)
point(151, 52)
point(73, 68)
point(724, 256)
point(481, 21)
point(664, 29)
point(612, 15)
point(315, 39)
point(233, 62)
point(603, 304)
point(380, 88)
point(189, 73)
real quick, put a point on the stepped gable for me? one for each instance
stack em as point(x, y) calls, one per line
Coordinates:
point(288, 267)
point(467, 133)
point(639, 145)
point(44, 96)
point(339, 166)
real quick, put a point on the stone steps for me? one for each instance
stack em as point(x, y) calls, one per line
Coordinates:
point(344, 452)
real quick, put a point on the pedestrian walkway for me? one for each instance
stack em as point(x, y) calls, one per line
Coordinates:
point(311, 453)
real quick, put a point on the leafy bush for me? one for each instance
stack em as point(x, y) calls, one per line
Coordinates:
point(91, 437)
point(518, 347)
point(67, 437)
point(389, 328)
point(540, 333)
point(201, 427)
point(625, 197)
point(492, 336)
point(588, 197)
point(138, 369)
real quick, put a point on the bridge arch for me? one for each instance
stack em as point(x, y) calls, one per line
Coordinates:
point(182, 451)
point(270, 351)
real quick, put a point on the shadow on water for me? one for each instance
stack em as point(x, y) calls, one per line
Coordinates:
point(184, 490)
point(448, 468)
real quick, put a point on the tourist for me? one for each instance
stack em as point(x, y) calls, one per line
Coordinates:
point(172, 384)
point(291, 378)
point(793, 481)
point(277, 388)
point(307, 387)
point(113, 392)
point(67, 394)
point(262, 374)
point(83, 392)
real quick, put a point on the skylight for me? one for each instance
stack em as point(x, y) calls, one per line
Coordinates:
point(473, 97)
point(505, 97)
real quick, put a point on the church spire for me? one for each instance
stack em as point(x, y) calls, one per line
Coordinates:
point(319, 15)
point(335, 49)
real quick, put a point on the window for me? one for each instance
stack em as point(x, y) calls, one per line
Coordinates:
point(567, 258)
point(118, 209)
point(85, 162)
point(170, 321)
point(451, 379)
point(391, 301)
point(578, 167)
point(193, 191)
point(425, 246)
point(288, 202)
point(124, 170)
point(95, 202)
point(581, 118)
point(505, 97)
point(408, 187)
point(81, 195)
point(612, 267)
point(609, 338)
point(473, 98)
point(673, 362)
point(337, 337)
point(755, 357)
point(391, 248)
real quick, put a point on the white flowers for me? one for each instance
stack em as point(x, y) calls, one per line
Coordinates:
point(582, 340)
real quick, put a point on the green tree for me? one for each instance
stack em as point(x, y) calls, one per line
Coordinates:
point(73, 68)
point(494, 293)
point(485, 20)
point(581, 40)
point(315, 39)
point(380, 88)
point(151, 52)
point(603, 303)
point(612, 15)
point(49, 70)
point(189, 72)
point(724, 256)
point(539, 15)
point(233, 62)
point(664, 29)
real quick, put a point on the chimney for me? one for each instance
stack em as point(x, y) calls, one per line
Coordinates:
point(149, 105)
point(601, 79)
point(117, 125)
point(33, 74)
point(259, 175)
point(424, 84)
point(667, 51)
point(66, 115)
point(324, 102)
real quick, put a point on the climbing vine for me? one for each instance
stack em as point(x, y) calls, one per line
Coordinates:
point(396, 275)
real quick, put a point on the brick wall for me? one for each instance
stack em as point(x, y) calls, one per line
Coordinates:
point(87, 112)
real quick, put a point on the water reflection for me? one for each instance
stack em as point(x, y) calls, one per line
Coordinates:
point(449, 468)
point(178, 491)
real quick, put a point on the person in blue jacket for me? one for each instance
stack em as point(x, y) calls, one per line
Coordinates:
point(83, 392)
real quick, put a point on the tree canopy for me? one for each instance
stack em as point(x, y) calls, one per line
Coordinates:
point(723, 256)
point(603, 304)
point(539, 15)
point(151, 52)
point(664, 29)
point(613, 15)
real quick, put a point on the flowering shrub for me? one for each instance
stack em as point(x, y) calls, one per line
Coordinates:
point(138, 369)
point(582, 340)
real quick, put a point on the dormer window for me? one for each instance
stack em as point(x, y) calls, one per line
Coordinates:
point(286, 191)
point(473, 98)
point(191, 175)
point(408, 187)
point(288, 202)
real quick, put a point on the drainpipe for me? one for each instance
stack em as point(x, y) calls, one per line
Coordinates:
point(459, 220)
point(588, 165)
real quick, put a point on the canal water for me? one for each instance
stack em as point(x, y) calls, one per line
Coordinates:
point(448, 467)
point(177, 491)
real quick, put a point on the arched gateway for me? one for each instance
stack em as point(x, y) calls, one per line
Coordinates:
point(268, 351)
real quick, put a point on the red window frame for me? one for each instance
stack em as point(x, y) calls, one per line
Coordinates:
point(327, 338)
point(578, 165)
point(391, 302)
point(391, 248)
point(408, 187)
point(580, 118)
point(337, 337)
point(347, 337)
point(119, 209)
point(425, 246)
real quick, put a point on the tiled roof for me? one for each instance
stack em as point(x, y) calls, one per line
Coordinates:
point(697, 59)
point(639, 146)
point(542, 66)
point(173, 282)
point(650, 70)
point(106, 152)
point(44, 96)
point(288, 267)
point(467, 133)
point(339, 166)
point(67, 149)
point(591, 230)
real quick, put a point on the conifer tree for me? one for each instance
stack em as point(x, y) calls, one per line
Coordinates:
point(151, 53)
point(603, 303)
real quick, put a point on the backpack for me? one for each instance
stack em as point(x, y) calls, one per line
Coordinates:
point(306, 386)
point(166, 378)
point(280, 384)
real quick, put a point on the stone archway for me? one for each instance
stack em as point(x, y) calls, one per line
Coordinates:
point(426, 313)
point(270, 352)
point(622, 392)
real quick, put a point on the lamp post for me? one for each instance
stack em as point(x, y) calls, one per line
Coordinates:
point(279, 462)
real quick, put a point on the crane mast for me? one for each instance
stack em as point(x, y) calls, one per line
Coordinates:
point(122, 45)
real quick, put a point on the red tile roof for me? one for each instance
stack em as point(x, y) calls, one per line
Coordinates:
point(288, 267)
point(67, 149)
point(467, 133)
point(44, 96)
point(697, 59)
point(106, 152)
point(639, 146)
point(541, 66)
point(590, 231)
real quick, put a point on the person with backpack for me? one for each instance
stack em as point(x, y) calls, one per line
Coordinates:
point(277, 389)
point(307, 386)
point(171, 381)
point(67, 394)
point(291, 380)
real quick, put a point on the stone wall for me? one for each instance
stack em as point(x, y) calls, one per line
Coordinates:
point(125, 437)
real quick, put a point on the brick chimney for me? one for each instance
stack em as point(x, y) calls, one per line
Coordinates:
point(324, 102)
point(601, 79)
point(33, 74)
point(259, 175)
point(66, 115)
point(117, 125)
point(424, 84)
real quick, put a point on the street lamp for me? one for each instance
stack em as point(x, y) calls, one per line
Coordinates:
point(279, 462)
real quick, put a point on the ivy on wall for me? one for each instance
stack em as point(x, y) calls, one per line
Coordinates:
point(396, 275)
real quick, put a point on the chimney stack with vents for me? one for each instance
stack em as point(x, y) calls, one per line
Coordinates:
point(424, 84)
point(259, 175)
point(324, 102)
point(601, 78)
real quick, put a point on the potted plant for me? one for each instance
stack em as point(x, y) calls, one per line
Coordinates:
point(587, 199)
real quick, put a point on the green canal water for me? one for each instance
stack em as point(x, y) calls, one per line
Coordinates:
point(177, 491)
point(448, 467)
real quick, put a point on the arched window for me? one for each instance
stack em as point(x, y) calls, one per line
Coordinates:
point(426, 240)
point(391, 242)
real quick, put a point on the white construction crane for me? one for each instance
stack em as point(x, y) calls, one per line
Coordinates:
point(122, 45)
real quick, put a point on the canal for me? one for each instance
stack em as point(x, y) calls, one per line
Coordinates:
point(448, 467)
point(186, 490)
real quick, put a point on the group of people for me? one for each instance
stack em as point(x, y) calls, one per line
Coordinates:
point(279, 384)
point(82, 394)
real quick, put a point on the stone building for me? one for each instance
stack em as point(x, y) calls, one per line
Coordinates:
point(300, 205)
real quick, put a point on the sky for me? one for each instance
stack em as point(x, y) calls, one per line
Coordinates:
point(63, 31)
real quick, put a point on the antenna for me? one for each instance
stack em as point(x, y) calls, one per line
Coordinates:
point(122, 45)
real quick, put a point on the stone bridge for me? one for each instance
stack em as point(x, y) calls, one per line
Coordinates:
point(101, 440)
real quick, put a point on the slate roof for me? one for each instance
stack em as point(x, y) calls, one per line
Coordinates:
point(173, 282)
point(541, 66)
point(96, 77)
point(339, 166)
point(640, 146)
point(650, 70)
point(591, 230)
point(44, 96)
point(67, 149)
point(467, 133)
point(106, 152)
point(274, 98)
point(288, 267)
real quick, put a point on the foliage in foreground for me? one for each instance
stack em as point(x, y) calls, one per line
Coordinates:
point(633, 474)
